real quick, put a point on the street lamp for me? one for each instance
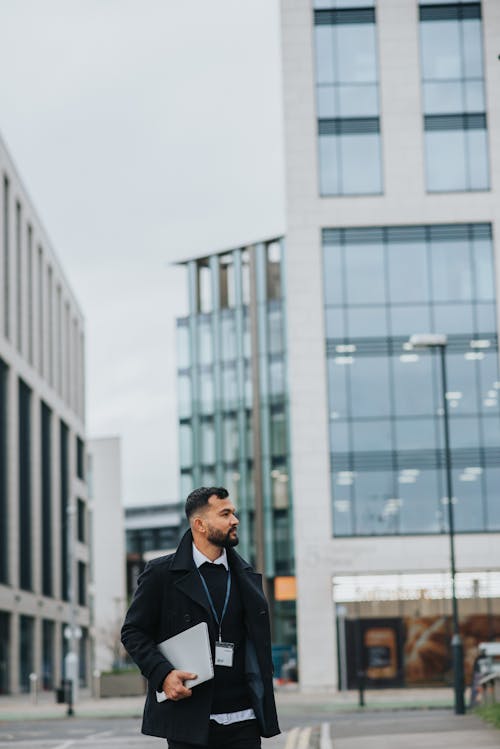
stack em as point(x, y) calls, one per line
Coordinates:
point(439, 341)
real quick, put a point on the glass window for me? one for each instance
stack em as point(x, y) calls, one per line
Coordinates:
point(490, 430)
point(483, 269)
point(408, 272)
point(205, 349)
point(184, 399)
point(228, 337)
point(183, 352)
point(365, 272)
point(275, 330)
point(361, 172)
point(185, 445)
point(464, 431)
point(445, 160)
point(420, 510)
point(376, 508)
point(443, 97)
point(451, 271)
point(333, 280)
point(245, 277)
point(416, 434)
point(454, 318)
point(207, 442)
point(404, 321)
point(359, 100)
point(205, 302)
point(337, 386)
point(342, 504)
point(468, 508)
point(441, 50)
point(492, 480)
point(274, 271)
point(372, 435)
point(413, 373)
point(335, 322)
point(355, 48)
point(367, 321)
point(325, 54)
point(477, 159)
point(486, 316)
point(329, 173)
point(276, 377)
point(339, 436)
point(462, 384)
point(278, 433)
point(226, 278)
point(488, 379)
point(472, 48)
point(206, 385)
point(229, 387)
point(369, 382)
point(230, 431)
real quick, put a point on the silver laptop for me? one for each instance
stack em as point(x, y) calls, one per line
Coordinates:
point(189, 651)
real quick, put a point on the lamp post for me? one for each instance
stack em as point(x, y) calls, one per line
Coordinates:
point(439, 341)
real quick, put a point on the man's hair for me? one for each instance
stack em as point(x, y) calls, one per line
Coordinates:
point(198, 499)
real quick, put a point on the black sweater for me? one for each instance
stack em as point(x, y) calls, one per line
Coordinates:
point(230, 690)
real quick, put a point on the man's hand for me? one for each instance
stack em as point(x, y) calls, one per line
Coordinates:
point(173, 686)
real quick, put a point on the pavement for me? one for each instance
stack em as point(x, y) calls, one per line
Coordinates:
point(390, 719)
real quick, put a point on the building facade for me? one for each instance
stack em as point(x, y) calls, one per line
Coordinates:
point(233, 406)
point(150, 531)
point(392, 152)
point(44, 556)
point(108, 590)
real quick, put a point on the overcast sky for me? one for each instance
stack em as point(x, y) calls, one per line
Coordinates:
point(144, 131)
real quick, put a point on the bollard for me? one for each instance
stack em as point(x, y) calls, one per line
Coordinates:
point(361, 687)
point(34, 687)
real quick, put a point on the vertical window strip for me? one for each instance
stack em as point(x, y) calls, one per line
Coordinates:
point(6, 257)
point(19, 279)
point(29, 250)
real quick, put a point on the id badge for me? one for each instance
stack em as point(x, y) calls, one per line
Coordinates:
point(224, 653)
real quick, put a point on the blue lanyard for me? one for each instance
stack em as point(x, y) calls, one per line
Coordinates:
point(228, 591)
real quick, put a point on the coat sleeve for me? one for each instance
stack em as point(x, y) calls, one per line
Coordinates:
point(141, 625)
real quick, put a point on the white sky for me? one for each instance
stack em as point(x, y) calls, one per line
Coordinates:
point(144, 131)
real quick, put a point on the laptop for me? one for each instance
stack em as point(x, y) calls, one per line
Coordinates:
point(189, 651)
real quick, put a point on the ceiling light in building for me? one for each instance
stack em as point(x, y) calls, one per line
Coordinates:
point(391, 506)
point(489, 402)
point(407, 346)
point(453, 395)
point(342, 505)
point(344, 359)
point(474, 355)
point(444, 500)
point(480, 343)
point(407, 358)
point(345, 348)
point(496, 385)
point(334, 415)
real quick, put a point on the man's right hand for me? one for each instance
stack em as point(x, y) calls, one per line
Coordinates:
point(173, 685)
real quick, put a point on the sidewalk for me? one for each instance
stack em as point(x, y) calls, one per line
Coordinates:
point(289, 700)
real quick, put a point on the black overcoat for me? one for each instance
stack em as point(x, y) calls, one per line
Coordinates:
point(169, 599)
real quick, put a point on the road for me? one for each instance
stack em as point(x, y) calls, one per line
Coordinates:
point(423, 729)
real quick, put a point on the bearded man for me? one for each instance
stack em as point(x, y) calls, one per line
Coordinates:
point(205, 580)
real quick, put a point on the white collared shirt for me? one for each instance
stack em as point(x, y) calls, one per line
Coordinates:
point(224, 719)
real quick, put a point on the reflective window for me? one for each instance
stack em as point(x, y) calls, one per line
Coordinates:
point(228, 337)
point(230, 439)
point(347, 102)
point(207, 442)
point(183, 350)
point(184, 396)
point(185, 445)
point(385, 399)
point(456, 143)
point(206, 390)
point(205, 346)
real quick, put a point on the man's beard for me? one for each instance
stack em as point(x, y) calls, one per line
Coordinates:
point(221, 539)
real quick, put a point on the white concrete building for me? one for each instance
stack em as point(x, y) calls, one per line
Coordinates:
point(392, 142)
point(107, 550)
point(44, 554)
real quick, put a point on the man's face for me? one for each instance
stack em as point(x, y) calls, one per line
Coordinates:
point(221, 522)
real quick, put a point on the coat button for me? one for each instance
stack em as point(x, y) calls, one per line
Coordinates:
point(263, 612)
point(187, 618)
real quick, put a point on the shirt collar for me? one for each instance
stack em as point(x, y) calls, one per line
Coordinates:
point(200, 558)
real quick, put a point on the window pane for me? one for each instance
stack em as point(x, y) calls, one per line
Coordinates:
point(185, 446)
point(473, 48)
point(416, 434)
point(365, 273)
point(332, 264)
point(207, 439)
point(488, 377)
point(339, 436)
point(327, 102)
point(453, 318)
point(462, 383)
point(335, 322)
point(369, 379)
point(491, 431)
point(486, 317)
point(342, 506)
point(406, 320)
point(468, 509)
point(337, 388)
point(441, 49)
point(413, 376)
point(361, 168)
point(420, 507)
point(445, 160)
point(184, 396)
point(275, 322)
point(325, 57)
point(477, 144)
point(408, 272)
point(183, 352)
point(206, 384)
point(474, 96)
point(372, 435)
point(483, 270)
point(355, 47)
point(205, 342)
point(443, 97)
point(358, 101)
point(464, 432)
point(228, 337)
point(229, 388)
point(375, 509)
point(451, 271)
point(492, 477)
point(367, 321)
point(328, 165)
point(230, 432)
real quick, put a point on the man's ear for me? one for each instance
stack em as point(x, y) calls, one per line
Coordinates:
point(198, 525)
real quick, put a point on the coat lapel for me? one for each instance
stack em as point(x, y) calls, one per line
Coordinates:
point(190, 585)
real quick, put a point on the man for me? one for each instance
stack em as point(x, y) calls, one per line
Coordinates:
point(205, 580)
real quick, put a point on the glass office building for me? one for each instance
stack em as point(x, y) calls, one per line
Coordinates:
point(233, 405)
point(392, 158)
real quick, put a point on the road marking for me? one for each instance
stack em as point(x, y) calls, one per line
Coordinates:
point(291, 738)
point(325, 741)
point(305, 735)
point(100, 735)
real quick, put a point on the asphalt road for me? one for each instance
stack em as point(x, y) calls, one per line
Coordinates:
point(299, 730)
